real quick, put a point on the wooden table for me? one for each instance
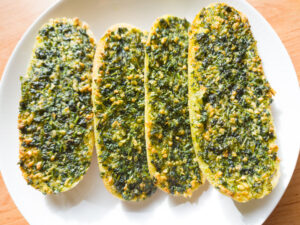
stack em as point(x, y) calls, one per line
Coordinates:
point(283, 15)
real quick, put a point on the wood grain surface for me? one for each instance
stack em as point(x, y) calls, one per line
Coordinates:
point(283, 15)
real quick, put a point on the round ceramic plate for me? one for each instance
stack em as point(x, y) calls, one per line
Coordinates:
point(89, 202)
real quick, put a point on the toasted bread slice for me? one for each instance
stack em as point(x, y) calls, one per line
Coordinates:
point(229, 100)
point(118, 97)
point(56, 118)
point(171, 157)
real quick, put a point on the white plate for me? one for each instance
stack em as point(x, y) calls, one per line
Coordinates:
point(89, 202)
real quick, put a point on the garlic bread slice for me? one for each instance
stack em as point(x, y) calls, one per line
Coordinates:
point(119, 100)
point(229, 100)
point(171, 157)
point(55, 112)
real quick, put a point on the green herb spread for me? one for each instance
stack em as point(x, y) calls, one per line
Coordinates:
point(119, 113)
point(171, 157)
point(229, 99)
point(55, 119)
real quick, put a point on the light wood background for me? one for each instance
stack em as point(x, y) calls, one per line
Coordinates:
point(283, 15)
